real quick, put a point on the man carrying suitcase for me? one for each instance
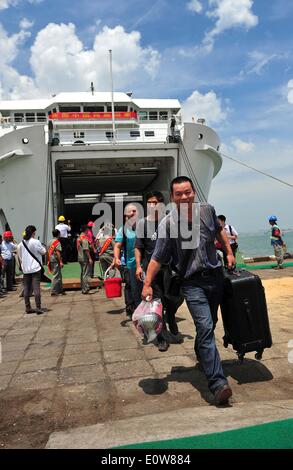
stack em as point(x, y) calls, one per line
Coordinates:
point(200, 273)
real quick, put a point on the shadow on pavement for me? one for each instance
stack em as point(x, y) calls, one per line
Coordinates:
point(115, 312)
point(248, 372)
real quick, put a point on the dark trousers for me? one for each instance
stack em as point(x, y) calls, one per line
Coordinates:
point(64, 246)
point(1, 279)
point(132, 289)
point(170, 307)
point(93, 256)
point(9, 272)
point(32, 282)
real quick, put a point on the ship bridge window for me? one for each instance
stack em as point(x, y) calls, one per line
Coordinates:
point(78, 134)
point(118, 109)
point(143, 115)
point(93, 109)
point(134, 134)
point(149, 133)
point(69, 109)
point(109, 134)
point(153, 115)
point(30, 117)
point(18, 117)
point(163, 115)
point(41, 117)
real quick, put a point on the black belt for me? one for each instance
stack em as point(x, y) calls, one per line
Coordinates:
point(205, 272)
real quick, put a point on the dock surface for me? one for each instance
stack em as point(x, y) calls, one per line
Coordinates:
point(79, 376)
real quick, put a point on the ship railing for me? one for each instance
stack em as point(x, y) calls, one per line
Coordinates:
point(123, 135)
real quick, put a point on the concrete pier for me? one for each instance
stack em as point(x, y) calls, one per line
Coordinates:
point(79, 376)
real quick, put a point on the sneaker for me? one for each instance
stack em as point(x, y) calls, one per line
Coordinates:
point(222, 395)
point(163, 345)
point(30, 310)
point(39, 311)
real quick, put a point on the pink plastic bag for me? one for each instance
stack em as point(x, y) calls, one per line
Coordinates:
point(148, 319)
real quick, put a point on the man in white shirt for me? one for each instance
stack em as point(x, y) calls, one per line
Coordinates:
point(64, 230)
point(30, 253)
point(232, 235)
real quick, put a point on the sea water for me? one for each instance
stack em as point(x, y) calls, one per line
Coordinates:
point(259, 244)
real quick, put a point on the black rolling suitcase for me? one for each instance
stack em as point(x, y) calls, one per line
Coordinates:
point(244, 314)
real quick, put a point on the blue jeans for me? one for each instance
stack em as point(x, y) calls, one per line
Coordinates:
point(197, 292)
point(136, 287)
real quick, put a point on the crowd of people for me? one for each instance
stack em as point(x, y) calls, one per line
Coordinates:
point(149, 258)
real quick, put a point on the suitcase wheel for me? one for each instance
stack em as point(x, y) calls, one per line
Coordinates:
point(258, 355)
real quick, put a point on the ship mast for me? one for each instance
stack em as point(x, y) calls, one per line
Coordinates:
point(112, 98)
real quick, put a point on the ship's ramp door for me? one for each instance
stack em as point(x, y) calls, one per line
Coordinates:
point(84, 182)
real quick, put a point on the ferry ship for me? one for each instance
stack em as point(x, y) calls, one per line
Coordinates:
point(64, 154)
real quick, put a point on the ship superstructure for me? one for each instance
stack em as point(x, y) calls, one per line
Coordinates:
point(64, 154)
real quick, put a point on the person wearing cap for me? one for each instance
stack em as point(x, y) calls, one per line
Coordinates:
point(92, 246)
point(277, 242)
point(64, 230)
point(8, 248)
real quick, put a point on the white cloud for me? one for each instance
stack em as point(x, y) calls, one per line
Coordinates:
point(12, 84)
point(7, 3)
point(243, 147)
point(229, 14)
point(9, 45)
point(12, 3)
point(290, 92)
point(258, 60)
point(25, 23)
point(207, 106)
point(59, 61)
point(194, 6)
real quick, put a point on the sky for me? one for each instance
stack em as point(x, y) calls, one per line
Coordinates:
point(228, 61)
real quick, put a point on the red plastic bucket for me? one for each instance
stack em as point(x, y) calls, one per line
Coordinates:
point(113, 287)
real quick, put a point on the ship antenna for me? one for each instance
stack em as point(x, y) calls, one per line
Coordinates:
point(92, 88)
point(112, 98)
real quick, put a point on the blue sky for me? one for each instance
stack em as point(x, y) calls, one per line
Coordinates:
point(229, 61)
